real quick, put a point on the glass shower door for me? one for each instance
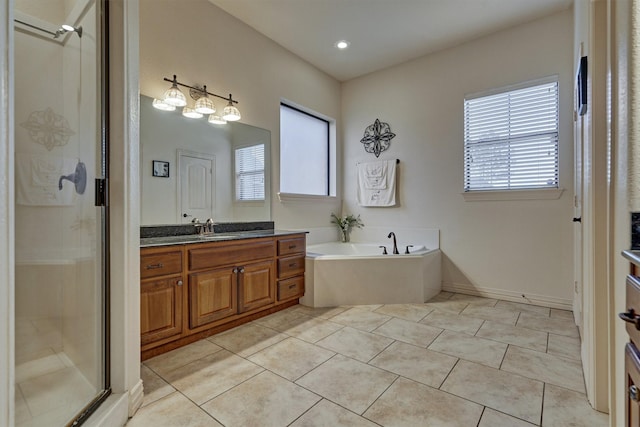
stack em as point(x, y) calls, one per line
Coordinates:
point(60, 289)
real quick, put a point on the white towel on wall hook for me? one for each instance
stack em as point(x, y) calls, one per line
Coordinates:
point(376, 183)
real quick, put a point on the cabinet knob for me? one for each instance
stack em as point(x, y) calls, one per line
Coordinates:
point(633, 393)
point(179, 283)
point(241, 269)
point(235, 269)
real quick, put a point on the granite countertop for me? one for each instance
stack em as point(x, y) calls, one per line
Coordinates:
point(633, 256)
point(148, 242)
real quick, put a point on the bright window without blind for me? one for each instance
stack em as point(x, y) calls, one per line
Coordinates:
point(250, 173)
point(511, 138)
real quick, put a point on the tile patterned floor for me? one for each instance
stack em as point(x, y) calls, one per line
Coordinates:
point(456, 361)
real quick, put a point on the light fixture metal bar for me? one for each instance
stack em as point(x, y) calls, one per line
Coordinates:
point(201, 90)
point(35, 27)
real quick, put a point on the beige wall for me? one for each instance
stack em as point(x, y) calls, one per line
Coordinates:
point(204, 45)
point(508, 247)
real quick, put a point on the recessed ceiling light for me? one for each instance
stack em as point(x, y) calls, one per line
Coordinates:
point(342, 44)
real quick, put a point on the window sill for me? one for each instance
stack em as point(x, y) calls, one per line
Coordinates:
point(541, 194)
point(249, 202)
point(292, 197)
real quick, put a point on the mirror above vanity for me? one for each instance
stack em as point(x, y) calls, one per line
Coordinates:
point(176, 153)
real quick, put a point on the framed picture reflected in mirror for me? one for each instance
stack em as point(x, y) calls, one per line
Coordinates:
point(161, 169)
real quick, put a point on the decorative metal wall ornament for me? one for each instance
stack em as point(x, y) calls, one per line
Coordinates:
point(377, 137)
point(48, 128)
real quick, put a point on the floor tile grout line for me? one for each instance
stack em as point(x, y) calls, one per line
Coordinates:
point(484, 408)
point(188, 363)
point(380, 395)
point(175, 390)
point(544, 393)
point(504, 356)
point(307, 410)
point(231, 388)
point(510, 343)
point(447, 376)
point(548, 339)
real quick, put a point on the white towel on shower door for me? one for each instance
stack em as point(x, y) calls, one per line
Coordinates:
point(376, 183)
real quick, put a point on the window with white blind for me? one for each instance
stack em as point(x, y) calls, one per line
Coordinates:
point(511, 138)
point(306, 160)
point(250, 173)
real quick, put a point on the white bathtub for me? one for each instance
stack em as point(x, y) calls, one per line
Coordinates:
point(358, 273)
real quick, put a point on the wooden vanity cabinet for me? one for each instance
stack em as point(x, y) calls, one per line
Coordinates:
point(291, 259)
point(161, 292)
point(226, 283)
point(248, 268)
point(632, 355)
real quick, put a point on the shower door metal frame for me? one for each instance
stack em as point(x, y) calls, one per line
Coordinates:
point(101, 200)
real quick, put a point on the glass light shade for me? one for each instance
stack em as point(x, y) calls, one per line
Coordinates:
point(216, 120)
point(231, 113)
point(174, 96)
point(191, 113)
point(161, 105)
point(205, 106)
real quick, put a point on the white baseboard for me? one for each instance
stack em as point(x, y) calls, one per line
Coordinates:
point(526, 298)
point(136, 395)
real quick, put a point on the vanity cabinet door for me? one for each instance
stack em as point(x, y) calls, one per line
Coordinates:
point(213, 295)
point(632, 368)
point(256, 284)
point(160, 309)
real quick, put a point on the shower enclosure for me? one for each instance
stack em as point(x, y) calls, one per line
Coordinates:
point(61, 252)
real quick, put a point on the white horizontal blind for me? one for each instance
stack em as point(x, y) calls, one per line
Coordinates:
point(250, 172)
point(304, 152)
point(511, 139)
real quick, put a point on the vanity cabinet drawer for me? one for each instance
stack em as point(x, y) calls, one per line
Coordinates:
point(290, 266)
point(633, 304)
point(291, 246)
point(220, 255)
point(155, 264)
point(291, 288)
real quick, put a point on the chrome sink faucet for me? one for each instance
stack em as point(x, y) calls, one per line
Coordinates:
point(395, 245)
point(209, 225)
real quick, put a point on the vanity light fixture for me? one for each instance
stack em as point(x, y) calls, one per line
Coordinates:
point(231, 113)
point(191, 113)
point(203, 105)
point(173, 95)
point(161, 105)
point(216, 120)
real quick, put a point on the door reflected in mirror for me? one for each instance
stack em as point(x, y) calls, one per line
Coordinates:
point(221, 171)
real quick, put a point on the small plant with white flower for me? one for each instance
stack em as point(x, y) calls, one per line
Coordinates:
point(346, 224)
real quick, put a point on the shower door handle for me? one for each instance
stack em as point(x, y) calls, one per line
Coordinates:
point(78, 178)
